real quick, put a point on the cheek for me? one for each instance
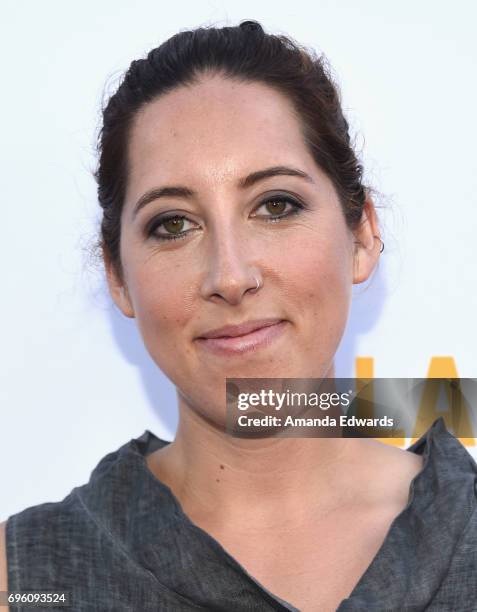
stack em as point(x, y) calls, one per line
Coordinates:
point(318, 285)
point(161, 302)
point(318, 268)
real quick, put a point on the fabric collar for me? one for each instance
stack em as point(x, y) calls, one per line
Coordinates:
point(144, 518)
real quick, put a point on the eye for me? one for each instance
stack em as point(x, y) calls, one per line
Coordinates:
point(277, 205)
point(171, 223)
point(174, 224)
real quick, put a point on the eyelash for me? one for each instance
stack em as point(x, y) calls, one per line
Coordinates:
point(297, 208)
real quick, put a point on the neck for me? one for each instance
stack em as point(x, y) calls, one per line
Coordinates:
point(230, 479)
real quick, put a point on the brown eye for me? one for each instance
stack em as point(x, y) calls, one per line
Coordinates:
point(276, 206)
point(174, 225)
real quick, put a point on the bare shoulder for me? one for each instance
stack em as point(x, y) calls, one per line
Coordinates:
point(387, 470)
point(3, 557)
point(390, 456)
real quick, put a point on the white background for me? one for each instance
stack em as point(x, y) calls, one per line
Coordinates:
point(76, 381)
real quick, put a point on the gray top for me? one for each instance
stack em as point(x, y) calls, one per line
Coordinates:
point(122, 542)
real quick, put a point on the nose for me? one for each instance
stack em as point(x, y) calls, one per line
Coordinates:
point(231, 271)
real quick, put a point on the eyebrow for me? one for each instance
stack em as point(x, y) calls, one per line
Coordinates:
point(179, 191)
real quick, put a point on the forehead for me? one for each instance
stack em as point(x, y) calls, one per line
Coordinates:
point(214, 130)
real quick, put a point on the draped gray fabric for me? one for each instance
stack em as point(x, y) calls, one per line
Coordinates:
point(121, 542)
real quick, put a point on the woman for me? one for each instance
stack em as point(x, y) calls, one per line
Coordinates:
point(233, 205)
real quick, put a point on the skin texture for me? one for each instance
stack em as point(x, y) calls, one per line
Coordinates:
point(206, 138)
point(246, 491)
point(267, 501)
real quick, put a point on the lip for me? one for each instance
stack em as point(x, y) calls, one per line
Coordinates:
point(258, 337)
point(240, 330)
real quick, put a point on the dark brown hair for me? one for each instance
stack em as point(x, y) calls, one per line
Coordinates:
point(244, 52)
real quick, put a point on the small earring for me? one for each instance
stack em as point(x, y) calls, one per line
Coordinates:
point(382, 243)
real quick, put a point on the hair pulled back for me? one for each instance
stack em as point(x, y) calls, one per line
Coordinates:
point(245, 52)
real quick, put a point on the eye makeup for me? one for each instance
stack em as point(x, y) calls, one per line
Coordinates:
point(163, 219)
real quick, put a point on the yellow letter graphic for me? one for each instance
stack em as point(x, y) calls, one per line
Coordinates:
point(458, 409)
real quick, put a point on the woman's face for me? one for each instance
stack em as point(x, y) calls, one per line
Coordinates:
point(203, 141)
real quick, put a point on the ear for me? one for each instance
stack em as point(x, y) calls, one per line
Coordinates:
point(367, 243)
point(118, 289)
